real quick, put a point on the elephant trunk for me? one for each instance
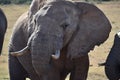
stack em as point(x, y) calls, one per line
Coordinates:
point(112, 66)
point(42, 47)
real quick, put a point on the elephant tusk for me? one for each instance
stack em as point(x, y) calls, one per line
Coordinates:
point(57, 55)
point(21, 52)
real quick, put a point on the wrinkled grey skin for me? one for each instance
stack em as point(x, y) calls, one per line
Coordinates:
point(3, 28)
point(35, 6)
point(72, 28)
point(112, 66)
point(20, 67)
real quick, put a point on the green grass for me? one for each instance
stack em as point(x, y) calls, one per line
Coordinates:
point(112, 11)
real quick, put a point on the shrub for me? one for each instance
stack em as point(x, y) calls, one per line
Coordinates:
point(5, 1)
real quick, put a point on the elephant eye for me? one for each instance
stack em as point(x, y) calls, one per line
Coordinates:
point(64, 26)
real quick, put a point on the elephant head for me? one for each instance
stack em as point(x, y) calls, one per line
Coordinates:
point(79, 26)
point(3, 27)
point(35, 6)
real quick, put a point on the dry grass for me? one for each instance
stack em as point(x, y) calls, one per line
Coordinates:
point(12, 12)
point(112, 11)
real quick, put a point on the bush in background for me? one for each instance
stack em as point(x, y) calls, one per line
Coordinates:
point(5, 1)
point(15, 1)
point(20, 1)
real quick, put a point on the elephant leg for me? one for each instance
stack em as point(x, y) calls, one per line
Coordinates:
point(16, 71)
point(80, 71)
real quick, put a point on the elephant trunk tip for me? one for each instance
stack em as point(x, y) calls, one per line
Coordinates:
point(21, 52)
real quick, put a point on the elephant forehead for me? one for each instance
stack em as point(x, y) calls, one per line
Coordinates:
point(58, 10)
point(49, 26)
point(53, 12)
point(47, 41)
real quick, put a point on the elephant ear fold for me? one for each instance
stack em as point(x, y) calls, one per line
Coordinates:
point(93, 29)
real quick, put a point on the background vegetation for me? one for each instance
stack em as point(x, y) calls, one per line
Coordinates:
point(111, 10)
point(15, 1)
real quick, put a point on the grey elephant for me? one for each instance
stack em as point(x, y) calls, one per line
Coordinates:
point(63, 33)
point(3, 27)
point(35, 6)
point(112, 65)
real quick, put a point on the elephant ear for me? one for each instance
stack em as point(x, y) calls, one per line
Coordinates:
point(93, 29)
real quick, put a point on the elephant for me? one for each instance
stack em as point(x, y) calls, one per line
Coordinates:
point(61, 36)
point(112, 64)
point(18, 40)
point(3, 27)
point(35, 6)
